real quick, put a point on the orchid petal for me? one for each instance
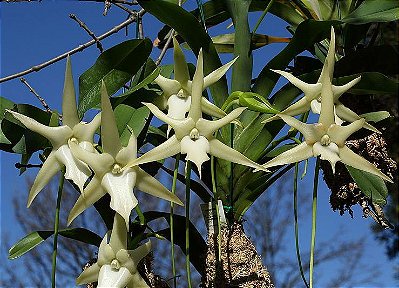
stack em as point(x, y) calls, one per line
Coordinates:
point(222, 151)
point(211, 109)
point(339, 134)
point(140, 252)
point(120, 187)
point(105, 252)
point(56, 135)
point(148, 184)
point(180, 65)
point(128, 153)
point(196, 150)
point(100, 163)
point(50, 167)
point(109, 277)
point(215, 75)
point(329, 153)
point(327, 102)
point(137, 282)
point(207, 128)
point(348, 115)
point(197, 87)
point(109, 131)
point(85, 131)
point(89, 275)
point(91, 194)
point(69, 111)
point(308, 130)
point(118, 239)
point(168, 86)
point(76, 170)
point(312, 91)
point(298, 153)
point(328, 67)
point(339, 90)
point(178, 106)
point(169, 148)
point(350, 158)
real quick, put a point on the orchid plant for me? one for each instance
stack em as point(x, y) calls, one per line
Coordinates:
point(124, 147)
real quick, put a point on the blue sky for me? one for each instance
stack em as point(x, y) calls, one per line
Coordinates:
point(34, 32)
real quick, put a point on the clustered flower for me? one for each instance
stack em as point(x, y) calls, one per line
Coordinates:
point(116, 169)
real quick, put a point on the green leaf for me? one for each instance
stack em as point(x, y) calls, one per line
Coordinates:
point(81, 235)
point(375, 116)
point(374, 11)
point(115, 67)
point(194, 34)
point(371, 185)
point(126, 117)
point(27, 243)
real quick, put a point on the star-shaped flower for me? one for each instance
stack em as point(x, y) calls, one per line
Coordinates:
point(116, 266)
point(194, 135)
point(325, 138)
point(60, 155)
point(108, 174)
point(312, 92)
point(177, 92)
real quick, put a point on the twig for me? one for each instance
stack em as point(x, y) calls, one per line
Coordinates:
point(45, 105)
point(163, 51)
point(131, 12)
point(19, 165)
point(140, 27)
point(107, 5)
point(133, 2)
point(84, 26)
point(75, 50)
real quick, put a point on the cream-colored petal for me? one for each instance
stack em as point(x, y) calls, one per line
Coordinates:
point(211, 109)
point(112, 278)
point(105, 252)
point(196, 91)
point(329, 153)
point(207, 127)
point(168, 86)
point(298, 153)
point(100, 163)
point(180, 64)
point(69, 111)
point(178, 107)
point(85, 131)
point(140, 252)
point(120, 187)
point(118, 239)
point(50, 167)
point(148, 184)
point(350, 158)
point(89, 275)
point(169, 148)
point(316, 109)
point(327, 102)
point(348, 115)
point(91, 194)
point(222, 151)
point(128, 153)
point(215, 75)
point(197, 151)
point(308, 130)
point(137, 282)
point(56, 135)
point(311, 91)
point(328, 67)
point(109, 131)
point(339, 90)
point(339, 134)
point(75, 170)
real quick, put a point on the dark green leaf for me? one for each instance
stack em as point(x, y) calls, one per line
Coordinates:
point(371, 185)
point(27, 243)
point(82, 235)
point(374, 11)
point(115, 67)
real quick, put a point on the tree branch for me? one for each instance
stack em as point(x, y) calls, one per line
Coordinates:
point(80, 48)
point(84, 26)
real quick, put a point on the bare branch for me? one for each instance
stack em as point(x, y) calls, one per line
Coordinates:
point(84, 26)
point(125, 2)
point(45, 105)
point(80, 48)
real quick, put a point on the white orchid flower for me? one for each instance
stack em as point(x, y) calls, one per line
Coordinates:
point(72, 129)
point(177, 92)
point(194, 135)
point(312, 92)
point(116, 266)
point(108, 174)
point(325, 138)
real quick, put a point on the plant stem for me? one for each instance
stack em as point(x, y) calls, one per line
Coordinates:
point(314, 210)
point(172, 237)
point(262, 16)
point(298, 254)
point(188, 177)
point(56, 226)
